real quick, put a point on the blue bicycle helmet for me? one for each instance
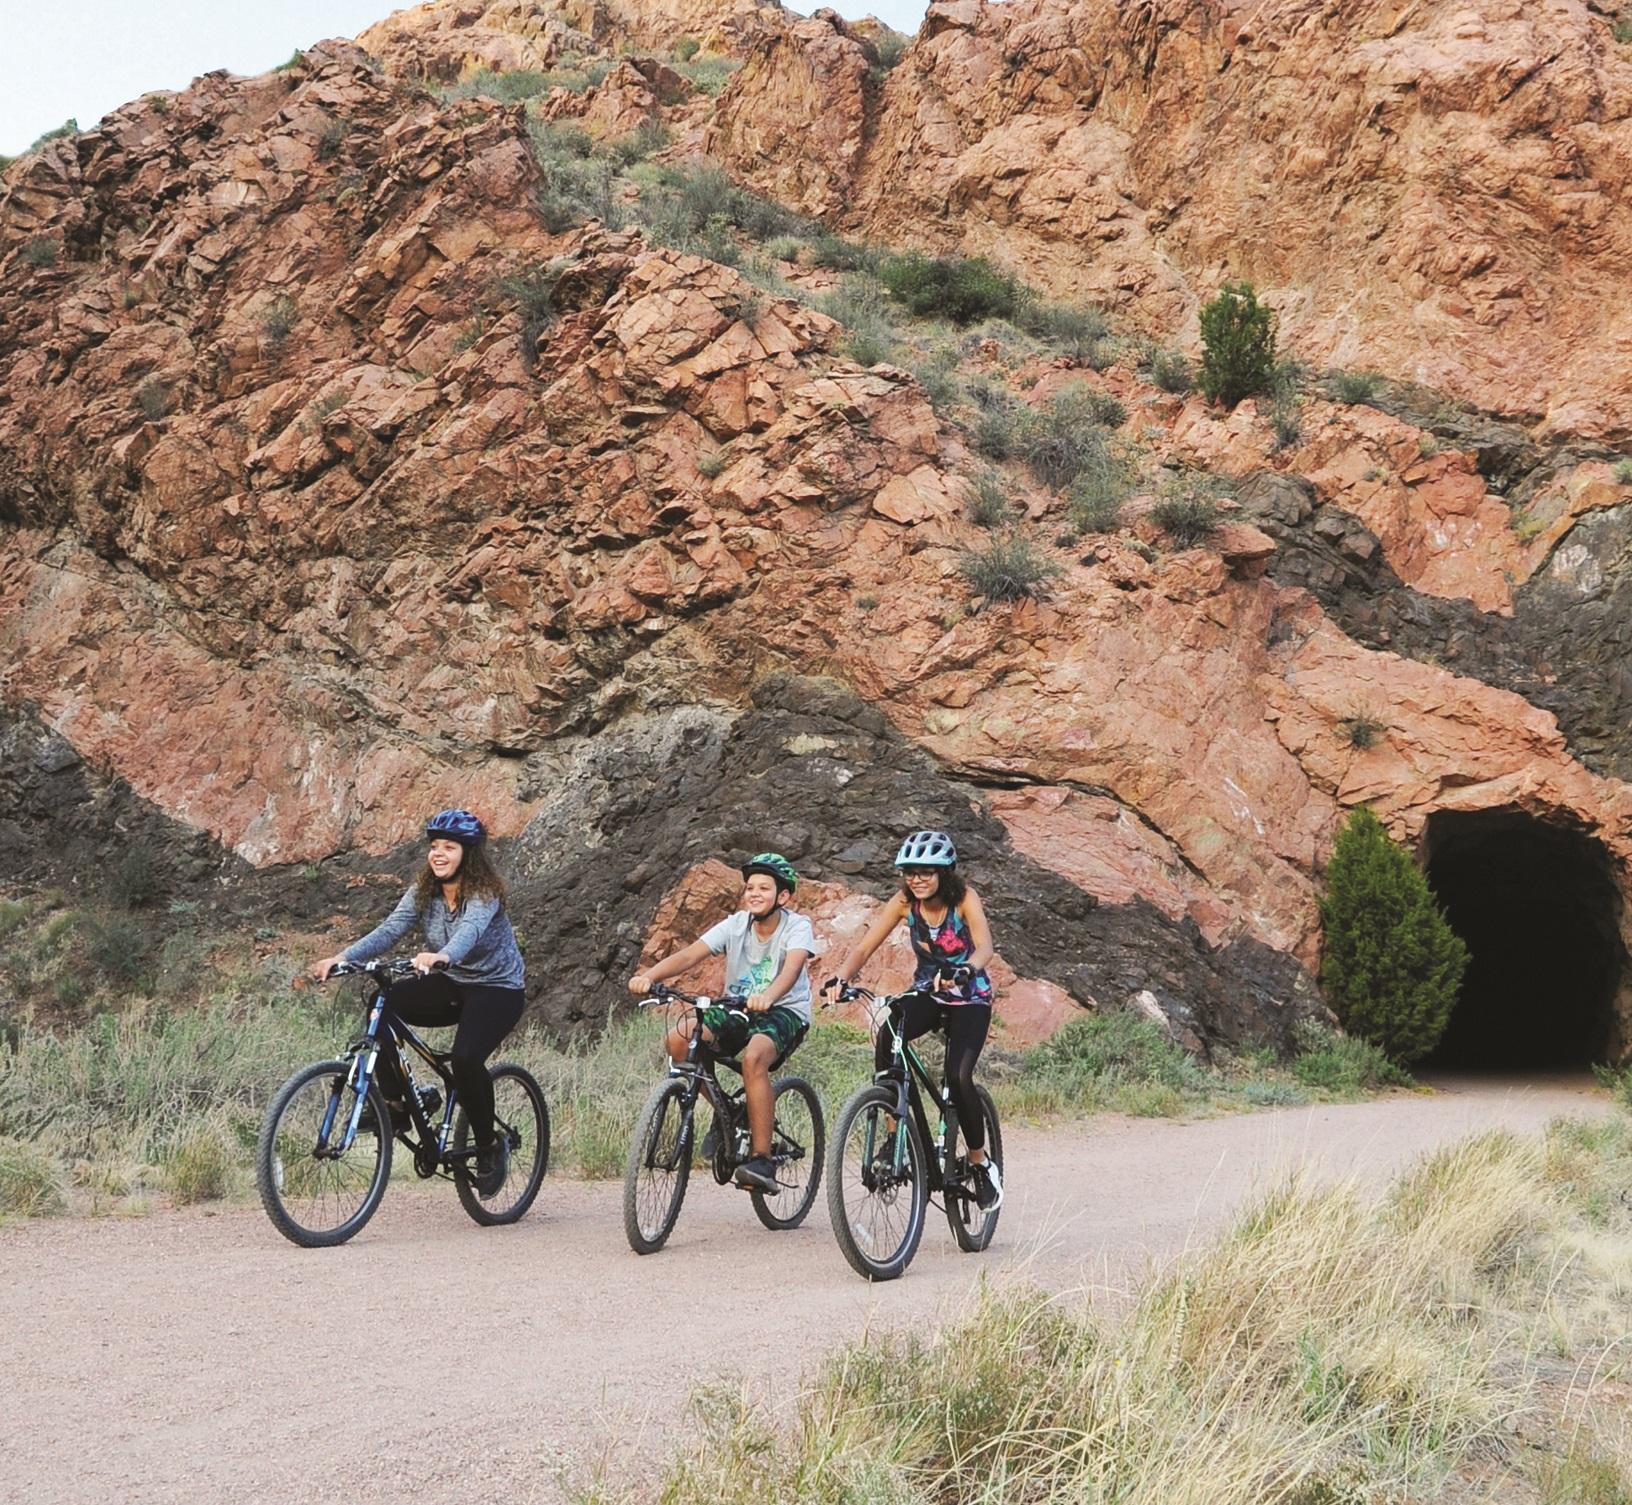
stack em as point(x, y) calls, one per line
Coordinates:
point(456, 825)
point(927, 849)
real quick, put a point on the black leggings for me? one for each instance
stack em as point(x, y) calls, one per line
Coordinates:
point(484, 1016)
point(966, 1025)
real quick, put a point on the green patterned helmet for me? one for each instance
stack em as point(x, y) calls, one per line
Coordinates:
point(774, 865)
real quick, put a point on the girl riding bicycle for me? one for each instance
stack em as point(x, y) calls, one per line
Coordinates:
point(471, 972)
point(946, 923)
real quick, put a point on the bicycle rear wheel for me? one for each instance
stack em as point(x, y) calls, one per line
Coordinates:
point(315, 1197)
point(654, 1180)
point(877, 1207)
point(796, 1151)
point(520, 1114)
point(972, 1228)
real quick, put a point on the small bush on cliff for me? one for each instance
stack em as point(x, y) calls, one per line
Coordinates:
point(41, 252)
point(1075, 329)
point(1095, 498)
point(1187, 510)
point(1009, 568)
point(69, 127)
point(1623, 473)
point(990, 505)
point(708, 74)
point(1238, 345)
point(532, 290)
point(1354, 387)
point(1068, 436)
point(1391, 965)
point(1170, 371)
point(963, 289)
point(577, 184)
point(278, 319)
point(686, 49)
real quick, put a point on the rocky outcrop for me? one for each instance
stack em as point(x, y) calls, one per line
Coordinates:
point(334, 487)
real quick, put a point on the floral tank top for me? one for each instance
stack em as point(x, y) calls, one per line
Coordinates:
point(947, 944)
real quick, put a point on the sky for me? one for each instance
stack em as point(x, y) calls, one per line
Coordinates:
point(82, 58)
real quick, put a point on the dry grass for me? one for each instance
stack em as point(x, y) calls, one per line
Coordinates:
point(1330, 1347)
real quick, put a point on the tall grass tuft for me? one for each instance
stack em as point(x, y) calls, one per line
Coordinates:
point(1328, 1347)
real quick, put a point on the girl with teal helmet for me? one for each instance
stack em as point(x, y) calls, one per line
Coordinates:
point(946, 923)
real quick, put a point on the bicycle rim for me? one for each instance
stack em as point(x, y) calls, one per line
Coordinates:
point(654, 1182)
point(796, 1152)
point(876, 1205)
point(315, 1196)
point(520, 1115)
point(972, 1228)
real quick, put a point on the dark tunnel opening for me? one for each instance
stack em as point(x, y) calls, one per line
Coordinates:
point(1539, 910)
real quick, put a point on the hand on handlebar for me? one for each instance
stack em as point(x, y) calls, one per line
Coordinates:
point(321, 971)
point(640, 985)
point(431, 961)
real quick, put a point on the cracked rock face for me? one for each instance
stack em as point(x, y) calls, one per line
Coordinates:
point(308, 527)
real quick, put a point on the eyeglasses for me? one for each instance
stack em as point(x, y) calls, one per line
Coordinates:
point(919, 872)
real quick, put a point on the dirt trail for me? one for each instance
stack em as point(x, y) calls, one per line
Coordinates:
point(190, 1356)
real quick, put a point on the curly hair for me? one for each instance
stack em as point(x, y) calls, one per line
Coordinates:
point(477, 877)
point(949, 887)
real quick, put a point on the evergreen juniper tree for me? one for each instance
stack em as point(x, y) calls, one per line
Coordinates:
point(1237, 345)
point(1390, 965)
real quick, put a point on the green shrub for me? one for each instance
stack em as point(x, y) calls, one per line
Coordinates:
point(577, 185)
point(1094, 499)
point(1079, 330)
point(989, 501)
point(1171, 371)
point(998, 427)
point(1187, 509)
point(296, 59)
point(1238, 345)
point(934, 375)
point(30, 1181)
point(889, 47)
point(840, 255)
point(1009, 568)
point(279, 317)
point(1623, 473)
point(1353, 387)
point(332, 138)
point(712, 462)
point(200, 1169)
point(1390, 965)
point(69, 127)
point(117, 947)
point(695, 209)
point(1343, 1064)
point(134, 879)
point(708, 74)
point(1623, 29)
point(532, 290)
point(41, 251)
point(686, 49)
point(647, 138)
point(866, 348)
point(960, 288)
point(1120, 1047)
point(1068, 436)
point(1361, 729)
point(784, 247)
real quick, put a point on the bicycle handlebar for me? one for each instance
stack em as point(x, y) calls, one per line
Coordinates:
point(388, 969)
point(662, 993)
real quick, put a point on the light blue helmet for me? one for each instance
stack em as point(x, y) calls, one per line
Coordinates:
point(927, 849)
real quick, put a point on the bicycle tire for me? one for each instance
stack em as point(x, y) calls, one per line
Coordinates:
point(789, 1208)
point(490, 1212)
point(275, 1167)
point(874, 1254)
point(665, 1111)
point(972, 1228)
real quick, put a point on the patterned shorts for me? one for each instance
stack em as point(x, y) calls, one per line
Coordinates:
point(731, 1035)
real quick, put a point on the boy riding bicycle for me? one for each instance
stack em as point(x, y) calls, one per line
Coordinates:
point(767, 951)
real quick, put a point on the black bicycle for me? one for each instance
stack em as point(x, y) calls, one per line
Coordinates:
point(661, 1152)
point(884, 1166)
point(324, 1153)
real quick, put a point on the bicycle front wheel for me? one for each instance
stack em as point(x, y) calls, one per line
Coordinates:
point(796, 1152)
point(972, 1228)
point(316, 1195)
point(877, 1184)
point(520, 1114)
point(654, 1180)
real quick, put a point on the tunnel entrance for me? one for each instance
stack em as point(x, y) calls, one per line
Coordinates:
point(1539, 910)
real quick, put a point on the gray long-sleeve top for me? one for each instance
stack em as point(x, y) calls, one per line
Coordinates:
point(476, 938)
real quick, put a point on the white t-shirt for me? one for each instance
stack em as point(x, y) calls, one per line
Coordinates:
point(751, 964)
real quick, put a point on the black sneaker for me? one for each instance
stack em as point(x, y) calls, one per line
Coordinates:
point(758, 1174)
point(492, 1166)
point(988, 1185)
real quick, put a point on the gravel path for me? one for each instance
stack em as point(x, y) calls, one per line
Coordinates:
point(198, 1356)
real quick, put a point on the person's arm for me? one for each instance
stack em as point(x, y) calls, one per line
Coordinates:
point(980, 931)
point(473, 923)
point(779, 985)
point(379, 940)
point(672, 965)
point(892, 914)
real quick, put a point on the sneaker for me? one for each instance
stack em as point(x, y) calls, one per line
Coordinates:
point(988, 1185)
point(758, 1174)
point(492, 1166)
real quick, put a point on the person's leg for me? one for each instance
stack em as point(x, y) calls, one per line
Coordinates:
point(429, 1001)
point(966, 1027)
point(488, 1015)
point(756, 1060)
point(919, 1015)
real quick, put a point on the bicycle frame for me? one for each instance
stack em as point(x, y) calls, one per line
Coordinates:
point(912, 1082)
point(698, 1069)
